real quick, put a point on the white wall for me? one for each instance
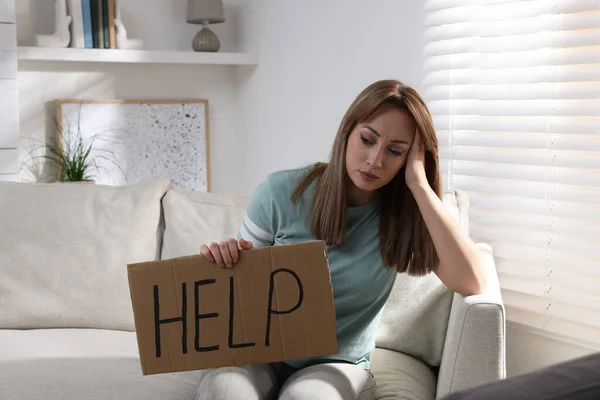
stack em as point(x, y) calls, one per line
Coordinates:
point(9, 120)
point(314, 58)
point(527, 350)
point(161, 24)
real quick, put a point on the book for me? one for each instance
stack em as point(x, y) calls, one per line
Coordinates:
point(94, 23)
point(105, 29)
point(86, 10)
point(100, 26)
point(112, 13)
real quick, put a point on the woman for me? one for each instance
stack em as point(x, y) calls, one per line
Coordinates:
point(377, 204)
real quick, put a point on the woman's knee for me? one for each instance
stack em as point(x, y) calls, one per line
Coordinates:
point(334, 381)
point(254, 382)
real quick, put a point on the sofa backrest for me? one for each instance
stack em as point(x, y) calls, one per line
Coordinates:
point(64, 251)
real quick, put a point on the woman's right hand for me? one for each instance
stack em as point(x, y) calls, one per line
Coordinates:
point(226, 253)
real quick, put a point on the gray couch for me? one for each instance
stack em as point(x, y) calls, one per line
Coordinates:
point(66, 325)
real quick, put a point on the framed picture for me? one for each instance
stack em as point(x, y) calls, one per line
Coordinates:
point(133, 141)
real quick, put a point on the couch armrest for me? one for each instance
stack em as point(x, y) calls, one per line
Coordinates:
point(474, 348)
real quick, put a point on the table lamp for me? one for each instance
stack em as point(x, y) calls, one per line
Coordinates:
point(205, 12)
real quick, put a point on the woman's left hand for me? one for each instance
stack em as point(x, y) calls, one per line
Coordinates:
point(415, 165)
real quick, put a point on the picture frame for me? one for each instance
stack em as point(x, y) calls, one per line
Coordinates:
point(135, 140)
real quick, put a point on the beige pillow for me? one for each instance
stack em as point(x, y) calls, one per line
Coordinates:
point(65, 249)
point(196, 218)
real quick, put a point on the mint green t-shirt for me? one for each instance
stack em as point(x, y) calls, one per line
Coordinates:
point(361, 283)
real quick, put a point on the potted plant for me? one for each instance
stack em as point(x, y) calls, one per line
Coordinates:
point(73, 157)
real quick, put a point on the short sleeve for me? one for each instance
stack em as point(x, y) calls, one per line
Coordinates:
point(259, 225)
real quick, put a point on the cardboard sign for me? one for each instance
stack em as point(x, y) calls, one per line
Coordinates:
point(275, 304)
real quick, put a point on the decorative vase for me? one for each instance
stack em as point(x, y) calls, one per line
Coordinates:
point(206, 40)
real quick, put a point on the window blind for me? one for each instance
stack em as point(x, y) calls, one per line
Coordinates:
point(514, 89)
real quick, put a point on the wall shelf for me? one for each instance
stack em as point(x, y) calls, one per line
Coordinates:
point(133, 56)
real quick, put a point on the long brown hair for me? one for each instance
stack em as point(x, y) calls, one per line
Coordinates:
point(404, 240)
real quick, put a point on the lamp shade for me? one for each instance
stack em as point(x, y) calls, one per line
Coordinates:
point(202, 11)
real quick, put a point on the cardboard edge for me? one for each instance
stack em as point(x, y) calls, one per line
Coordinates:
point(160, 263)
point(143, 365)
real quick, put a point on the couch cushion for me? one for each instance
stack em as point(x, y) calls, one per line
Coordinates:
point(400, 376)
point(32, 344)
point(65, 249)
point(86, 364)
point(415, 317)
point(196, 218)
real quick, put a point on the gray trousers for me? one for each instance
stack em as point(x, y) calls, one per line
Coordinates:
point(331, 381)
